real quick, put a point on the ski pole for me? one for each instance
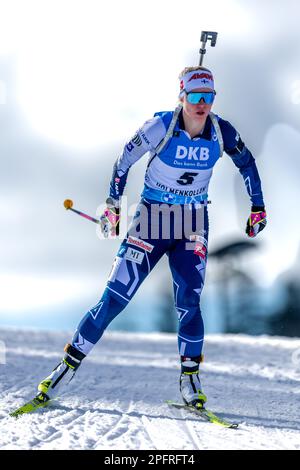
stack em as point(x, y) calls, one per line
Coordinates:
point(206, 36)
point(69, 206)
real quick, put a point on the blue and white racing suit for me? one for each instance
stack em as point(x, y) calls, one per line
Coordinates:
point(176, 185)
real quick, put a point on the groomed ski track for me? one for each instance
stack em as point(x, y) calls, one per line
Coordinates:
point(116, 400)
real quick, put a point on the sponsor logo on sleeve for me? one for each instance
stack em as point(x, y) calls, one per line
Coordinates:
point(117, 181)
point(142, 133)
point(137, 140)
point(130, 146)
point(200, 250)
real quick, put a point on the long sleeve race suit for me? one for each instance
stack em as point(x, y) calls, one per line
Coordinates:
point(176, 178)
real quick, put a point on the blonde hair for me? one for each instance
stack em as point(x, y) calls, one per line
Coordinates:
point(192, 69)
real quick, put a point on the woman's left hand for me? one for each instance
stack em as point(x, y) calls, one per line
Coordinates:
point(256, 221)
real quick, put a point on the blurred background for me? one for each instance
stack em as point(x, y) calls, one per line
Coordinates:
point(77, 78)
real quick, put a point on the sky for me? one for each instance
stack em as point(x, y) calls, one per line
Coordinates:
point(77, 79)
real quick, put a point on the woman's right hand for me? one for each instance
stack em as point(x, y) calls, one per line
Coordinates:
point(110, 219)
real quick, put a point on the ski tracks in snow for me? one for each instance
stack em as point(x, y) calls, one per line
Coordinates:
point(140, 429)
point(243, 378)
point(126, 431)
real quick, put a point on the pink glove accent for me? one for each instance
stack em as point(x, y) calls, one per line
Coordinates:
point(110, 221)
point(256, 222)
point(111, 216)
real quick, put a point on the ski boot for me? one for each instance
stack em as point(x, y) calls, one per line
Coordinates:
point(190, 385)
point(61, 375)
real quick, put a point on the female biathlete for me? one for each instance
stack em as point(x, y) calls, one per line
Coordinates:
point(172, 219)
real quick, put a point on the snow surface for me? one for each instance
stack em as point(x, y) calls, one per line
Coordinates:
point(116, 401)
